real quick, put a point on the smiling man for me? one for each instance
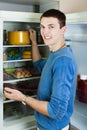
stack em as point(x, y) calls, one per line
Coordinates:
point(56, 91)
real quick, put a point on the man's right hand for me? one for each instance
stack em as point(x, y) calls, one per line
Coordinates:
point(33, 36)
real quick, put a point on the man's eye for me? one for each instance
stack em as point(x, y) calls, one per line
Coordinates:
point(50, 27)
point(41, 27)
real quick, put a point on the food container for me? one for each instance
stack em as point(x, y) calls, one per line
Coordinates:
point(14, 53)
point(18, 38)
point(26, 54)
point(82, 89)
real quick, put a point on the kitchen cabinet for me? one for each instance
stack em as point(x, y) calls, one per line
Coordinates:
point(14, 115)
point(76, 36)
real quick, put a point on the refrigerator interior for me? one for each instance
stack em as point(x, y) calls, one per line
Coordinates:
point(76, 36)
point(16, 115)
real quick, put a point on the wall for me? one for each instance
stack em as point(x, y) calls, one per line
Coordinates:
point(69, 6)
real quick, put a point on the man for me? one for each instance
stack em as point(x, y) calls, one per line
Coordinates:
point(56, 91)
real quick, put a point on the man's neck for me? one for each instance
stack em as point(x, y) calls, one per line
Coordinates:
point(57, 46)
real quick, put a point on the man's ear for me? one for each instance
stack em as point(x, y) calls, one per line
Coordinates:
point(63, 29)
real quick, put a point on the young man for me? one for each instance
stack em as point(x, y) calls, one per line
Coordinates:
point(56, 91)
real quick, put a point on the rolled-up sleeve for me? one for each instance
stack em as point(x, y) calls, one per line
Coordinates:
point(61, 87)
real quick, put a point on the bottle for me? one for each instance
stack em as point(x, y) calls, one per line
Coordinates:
point(4, 57)
point(5, 37)
point(82, 89)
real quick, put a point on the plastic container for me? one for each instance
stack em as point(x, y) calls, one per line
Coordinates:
point(82, 89)
point(18, 38)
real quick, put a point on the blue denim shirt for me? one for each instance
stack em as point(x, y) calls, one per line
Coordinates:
point(57, 86)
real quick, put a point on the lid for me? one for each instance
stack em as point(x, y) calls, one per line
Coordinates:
point(83, 77)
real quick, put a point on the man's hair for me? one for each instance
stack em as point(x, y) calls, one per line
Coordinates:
point(56, 14)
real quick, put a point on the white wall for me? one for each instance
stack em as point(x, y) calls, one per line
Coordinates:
point(69, 6)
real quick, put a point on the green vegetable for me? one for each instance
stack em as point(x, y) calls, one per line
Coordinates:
point(13, 52)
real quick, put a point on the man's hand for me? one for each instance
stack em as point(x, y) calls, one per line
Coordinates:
point(13, 94)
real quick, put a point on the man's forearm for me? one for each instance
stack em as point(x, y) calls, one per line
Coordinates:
point(35, 53)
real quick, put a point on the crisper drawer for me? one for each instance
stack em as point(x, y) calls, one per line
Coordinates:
point(25, 123)
point(15, 110)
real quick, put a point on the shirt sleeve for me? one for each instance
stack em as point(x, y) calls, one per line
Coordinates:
point(61, 87)
point(39, 64)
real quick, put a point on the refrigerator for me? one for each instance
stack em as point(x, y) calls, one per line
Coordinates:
point(76, 37)
point(13, 60)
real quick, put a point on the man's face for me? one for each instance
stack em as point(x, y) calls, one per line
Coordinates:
point(51, 31)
